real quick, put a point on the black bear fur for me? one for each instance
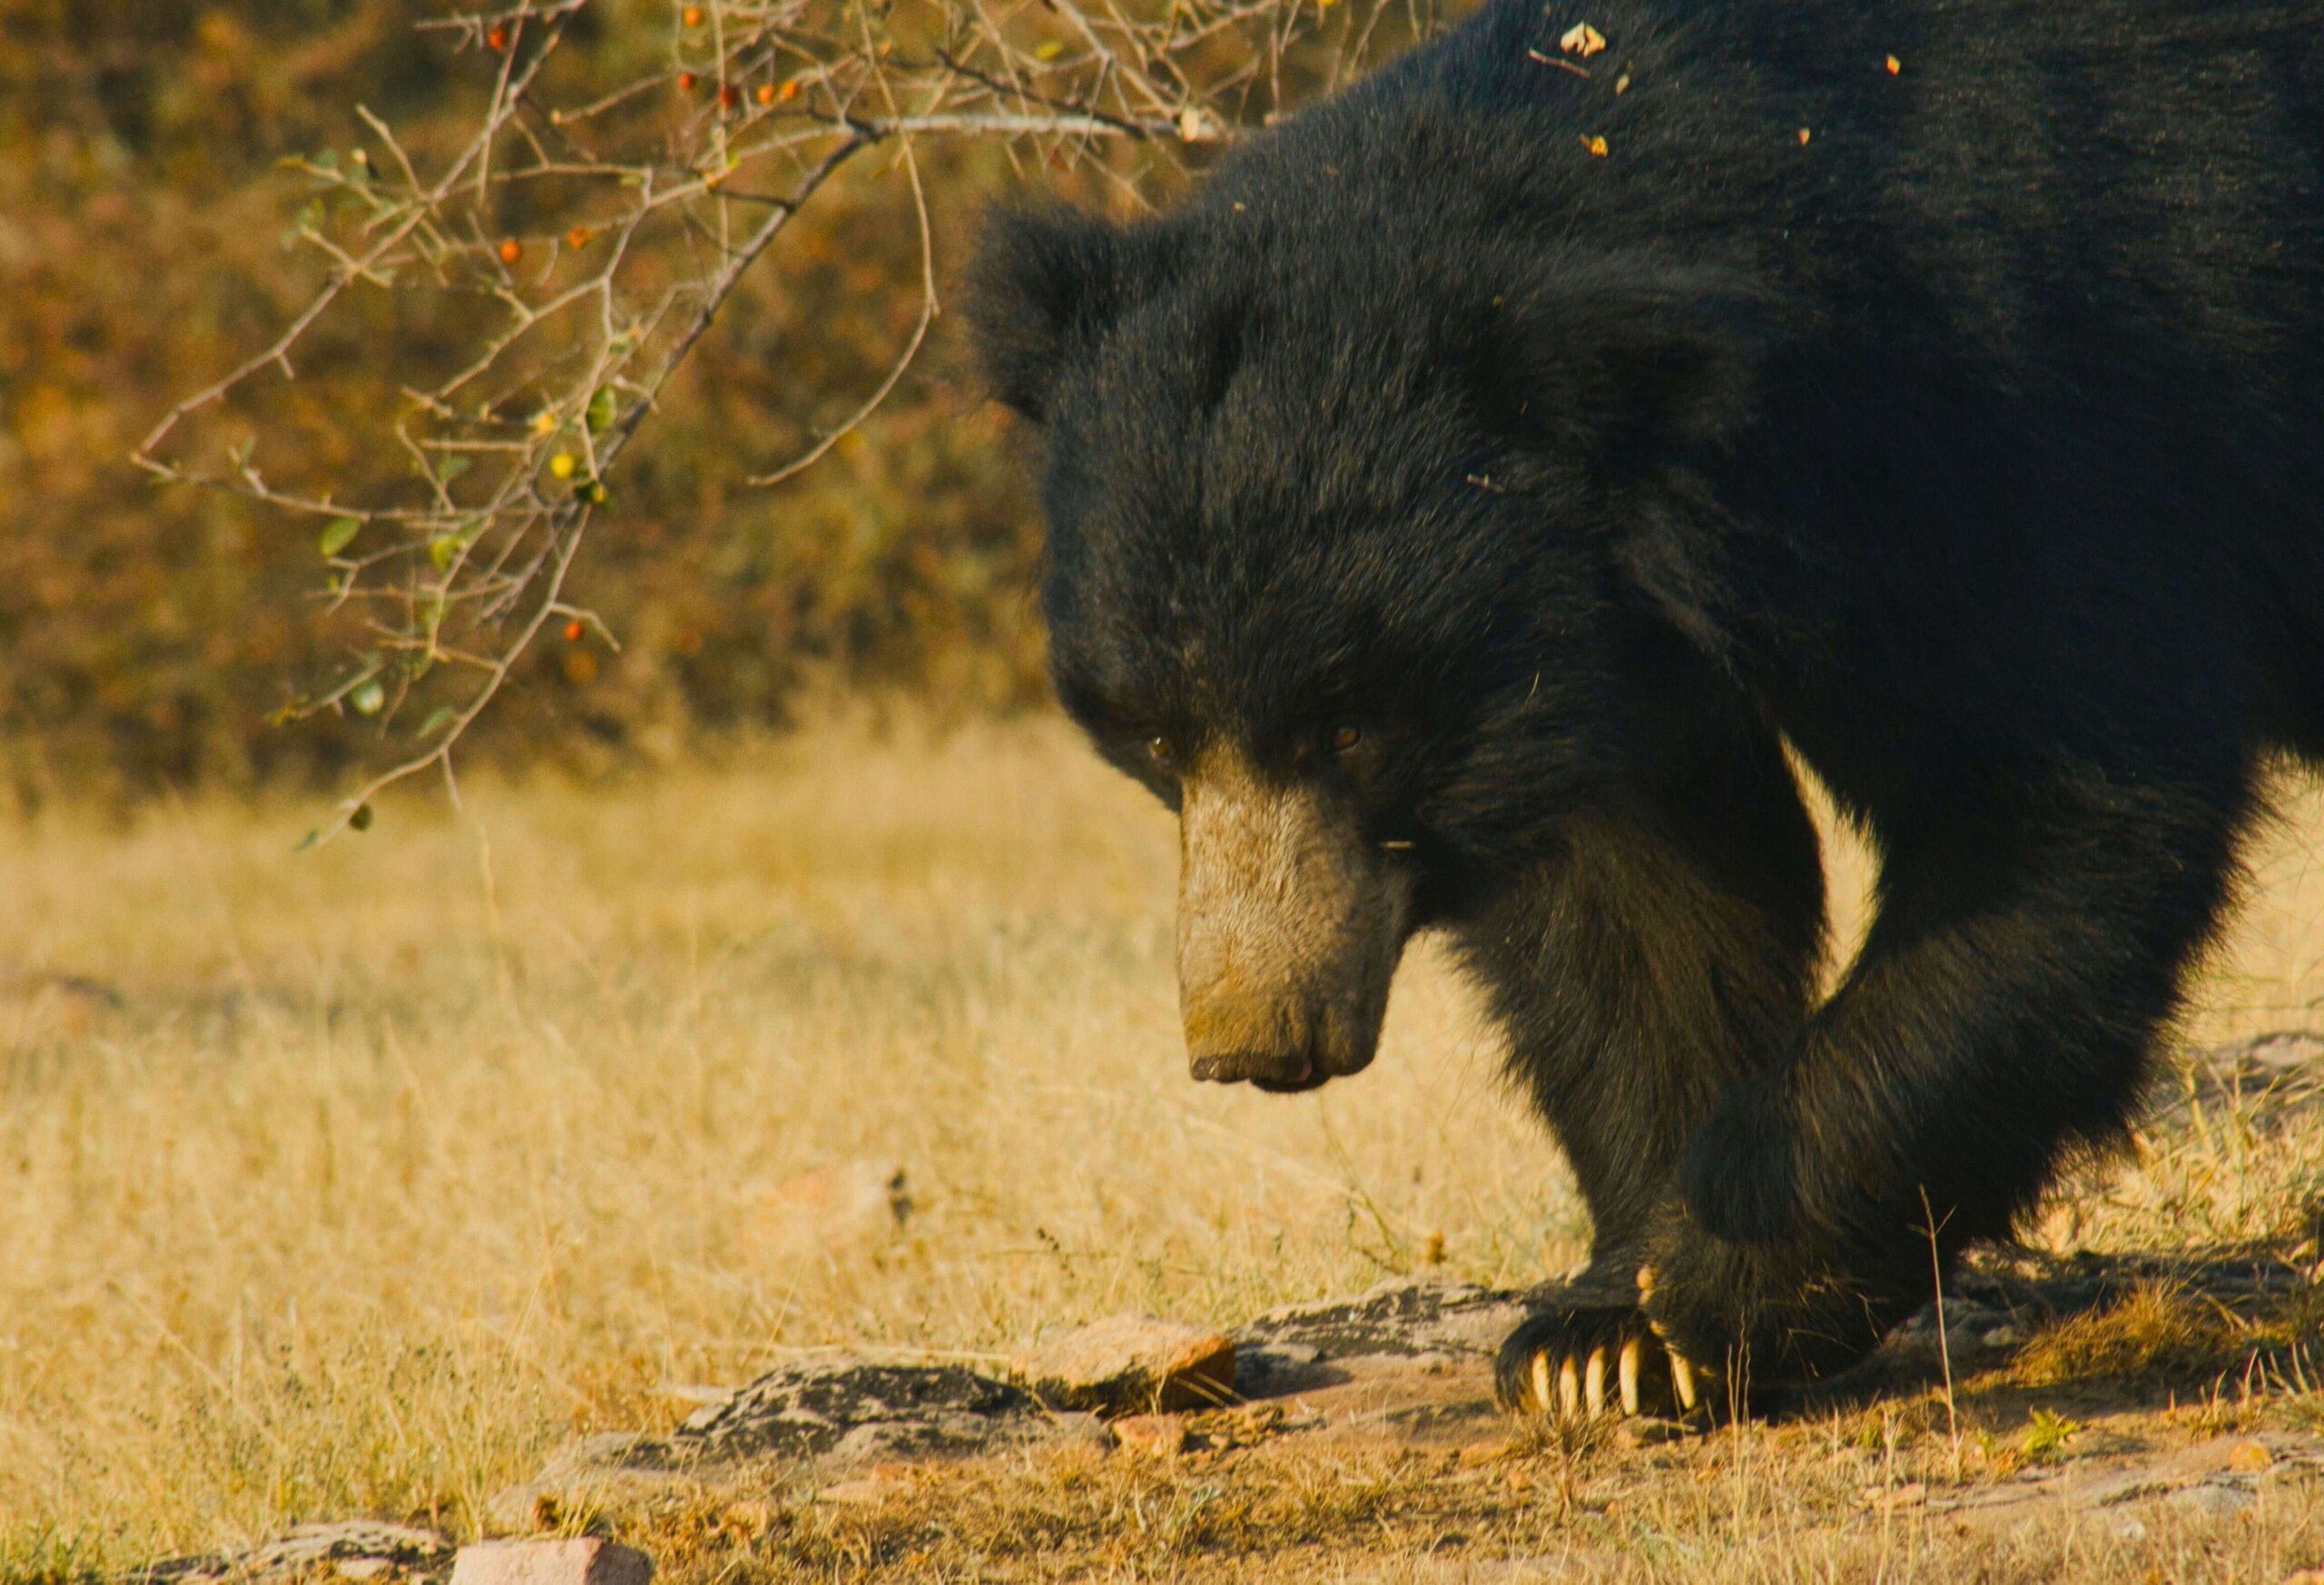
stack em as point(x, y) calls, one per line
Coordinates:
point(1960, 426)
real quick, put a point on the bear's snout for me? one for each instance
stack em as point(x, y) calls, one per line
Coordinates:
point(1289, 932)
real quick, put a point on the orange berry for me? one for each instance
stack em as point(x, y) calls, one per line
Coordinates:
point(1895, 66)
point(496, 38)
point(577, 238)
point(765, 94)
point(573, 632)
point(729, 96)
point(685, 81)
point(511, 250)
point(691, 15)
point(790, 90)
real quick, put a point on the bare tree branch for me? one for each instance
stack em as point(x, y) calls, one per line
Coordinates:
point(459, 522)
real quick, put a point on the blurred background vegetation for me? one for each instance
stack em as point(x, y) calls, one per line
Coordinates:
point(147, 634)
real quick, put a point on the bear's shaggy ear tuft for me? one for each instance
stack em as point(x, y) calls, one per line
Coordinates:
point(1045, 282)
point(1627, 365)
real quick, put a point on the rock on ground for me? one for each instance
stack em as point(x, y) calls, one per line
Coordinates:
point(1132, 1364)
point(574, 1560)
point(835, 1209)
point(360, 1548)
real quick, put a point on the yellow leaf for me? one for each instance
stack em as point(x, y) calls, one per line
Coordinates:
point(1049, 49)
point(1581, 39)
point(1895, 66)
point(1595, 144)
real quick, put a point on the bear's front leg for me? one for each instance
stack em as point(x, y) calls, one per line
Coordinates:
point(1659, 960)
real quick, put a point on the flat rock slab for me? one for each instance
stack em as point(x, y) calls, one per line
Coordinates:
point(2218, 1478)
point(822, 1420)
point(574, 1560)
point(856, 1410)
point(360, 1548)
point(1132, 1364)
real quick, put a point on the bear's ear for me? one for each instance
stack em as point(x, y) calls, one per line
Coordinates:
point(1045, 283)
point(1627, 367)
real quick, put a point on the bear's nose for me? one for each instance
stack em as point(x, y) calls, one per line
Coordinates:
point(1267, 1069)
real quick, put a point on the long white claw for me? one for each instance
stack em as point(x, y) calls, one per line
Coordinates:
point(1569, 1389)
point(1631, 1349)
point(1593, 1382)
point(1542, 1393)
point(1682, 1378)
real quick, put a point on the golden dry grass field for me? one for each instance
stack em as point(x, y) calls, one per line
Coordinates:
point(349, 1182)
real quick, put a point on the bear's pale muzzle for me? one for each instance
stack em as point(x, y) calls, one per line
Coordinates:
point(1290, 926)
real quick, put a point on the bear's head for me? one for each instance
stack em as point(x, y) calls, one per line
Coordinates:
point(1359, 549)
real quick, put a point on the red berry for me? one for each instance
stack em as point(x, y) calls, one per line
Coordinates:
point(573, 632)
point(511, 250)
point(685, 81)
point(729, 96)
point(496, 38)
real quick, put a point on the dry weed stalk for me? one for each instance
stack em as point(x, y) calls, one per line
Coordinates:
point(644, 201)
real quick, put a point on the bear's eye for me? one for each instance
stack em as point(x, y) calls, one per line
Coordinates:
point(1159, 749)
point(1346, 738)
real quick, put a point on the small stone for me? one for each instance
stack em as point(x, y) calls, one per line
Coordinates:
point(1089, 1430)
point(578, 1561)
point(2002, 1336)
point(1912, 1494)
point(837, 1208)
point(2131, 1530)
point(2214, 1499)
point(869, 1488)
point(1132, 1364)
point(364, 1568)
point(1649, 1431)
point(1478, 1453)
point(2250, 1457)
point(1160, 1435)
point(1962, 1341)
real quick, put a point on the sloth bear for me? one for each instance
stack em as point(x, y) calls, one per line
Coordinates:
point(1462, 507)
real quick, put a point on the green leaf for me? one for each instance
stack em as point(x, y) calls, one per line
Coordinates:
point(368, 696)
point(442, 716)
point(361, 818)
point(443, 552)
point(326, 160)
point(337, 535)
point(309, 840)
point(450, 465)
point(601, 410)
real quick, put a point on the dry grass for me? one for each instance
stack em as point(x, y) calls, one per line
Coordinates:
point(395, 1162)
